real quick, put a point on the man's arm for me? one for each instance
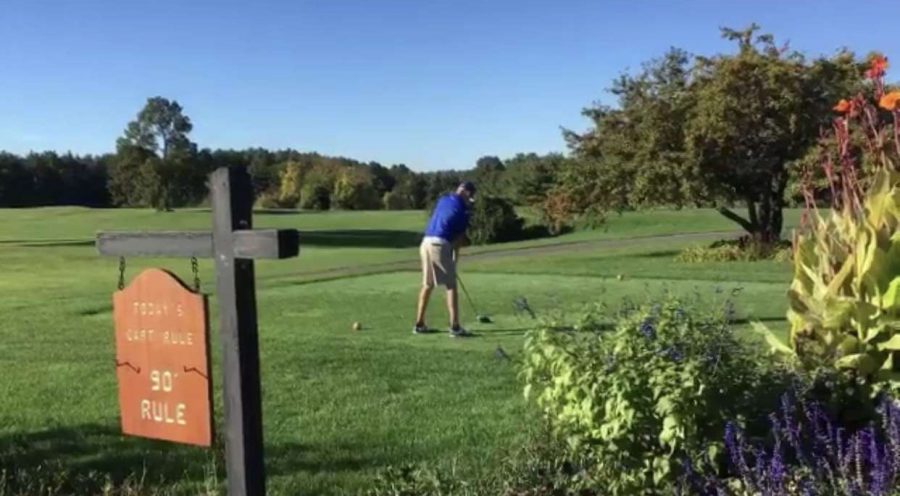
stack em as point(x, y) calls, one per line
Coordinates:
point(460, 226)
point(458, 243)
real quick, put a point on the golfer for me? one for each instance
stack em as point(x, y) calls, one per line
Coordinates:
point(439, 251)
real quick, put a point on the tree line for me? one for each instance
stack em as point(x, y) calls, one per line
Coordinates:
point(157, 165)
point(728, 131)
point(281, 179)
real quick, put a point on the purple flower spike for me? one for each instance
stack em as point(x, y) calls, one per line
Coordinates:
point(647, 329)
point(776, 474)
point(792, 427)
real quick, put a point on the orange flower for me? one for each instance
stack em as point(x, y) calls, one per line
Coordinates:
point(890, 101)
point(842, 107)
point(878, 64)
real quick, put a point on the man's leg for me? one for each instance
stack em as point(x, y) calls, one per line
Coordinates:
point(453, 307)
point(427, 286)
point(448, 261)
point(424, 295)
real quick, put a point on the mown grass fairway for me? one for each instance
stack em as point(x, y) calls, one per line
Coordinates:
point(338, 405)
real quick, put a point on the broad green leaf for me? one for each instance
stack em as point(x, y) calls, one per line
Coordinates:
point(891, 298)
point(849, 345)
point(837, 312)
point(891, 344)
point(863, 363)
point(840, 278)
point(776, 344)
point(879, 197)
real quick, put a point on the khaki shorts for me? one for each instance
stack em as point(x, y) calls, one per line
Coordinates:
point(438, 265)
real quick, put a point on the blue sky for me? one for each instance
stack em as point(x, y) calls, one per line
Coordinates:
point(433, 84)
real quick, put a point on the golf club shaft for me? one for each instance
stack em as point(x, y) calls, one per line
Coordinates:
point(468, 297)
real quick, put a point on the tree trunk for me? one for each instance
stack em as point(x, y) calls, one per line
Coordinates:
point(765, 211)
point(744, 223)
point(765, 218)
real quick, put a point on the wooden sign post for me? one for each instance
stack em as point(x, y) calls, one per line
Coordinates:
point(234, 244)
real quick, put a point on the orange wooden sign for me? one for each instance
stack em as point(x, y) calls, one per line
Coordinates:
point(162, 359)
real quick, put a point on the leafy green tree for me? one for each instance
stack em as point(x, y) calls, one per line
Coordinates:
point(440, 183)
point(16, 182)
point(707, 131)
point(382, 179)
point(45, 169)
point(756, 113)
point(489, 176)
point(155, 163)
point(409, 185)
point(354, 190)
point(529, 177)
point(494, 220)
point(635, 153)
point(291, 184)
point(264, 169)
point(394, 200)
point(315, 195)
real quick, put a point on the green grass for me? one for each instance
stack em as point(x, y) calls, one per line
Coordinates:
point(338, 405)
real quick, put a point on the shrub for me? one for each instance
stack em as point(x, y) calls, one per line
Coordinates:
point(315, 197)
point(494, 220)
point(538, 468)
point(394, 200)
point(660, 385)
point(289, 185)
point(412, 480)
point(353, 190)
point(741, 250)
point(274, 200)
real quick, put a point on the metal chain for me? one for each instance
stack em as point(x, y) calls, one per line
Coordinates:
point(121, 273)
point(196, 270)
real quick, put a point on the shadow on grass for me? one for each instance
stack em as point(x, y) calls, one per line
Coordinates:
point(504, 332)
point(282, 211)
point(83, 459)
point(532, 232)
point(658, 254)
point(362, 238)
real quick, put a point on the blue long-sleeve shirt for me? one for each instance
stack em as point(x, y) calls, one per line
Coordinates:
point(450, 218)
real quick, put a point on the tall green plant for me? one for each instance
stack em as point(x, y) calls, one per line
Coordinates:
point(845, 295)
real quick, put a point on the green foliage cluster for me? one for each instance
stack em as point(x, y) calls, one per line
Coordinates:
point(412, 480)
point(538, 468)
point(845, 294)
point(156, 164)
point(494, 220)
point(742, 250)
point(692, 130)
point(395, 200)
point(51, 179)
point(53, 479)
point(636, 394)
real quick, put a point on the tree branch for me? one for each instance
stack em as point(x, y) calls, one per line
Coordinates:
point(746, 224)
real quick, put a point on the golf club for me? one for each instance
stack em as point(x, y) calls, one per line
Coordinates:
point(484, 319)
